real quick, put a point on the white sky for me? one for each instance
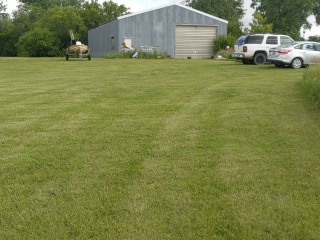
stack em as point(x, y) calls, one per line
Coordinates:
point(141, 5)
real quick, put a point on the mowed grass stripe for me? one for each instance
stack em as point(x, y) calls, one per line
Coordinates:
point(149, 149)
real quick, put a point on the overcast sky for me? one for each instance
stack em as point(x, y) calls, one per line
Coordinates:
point(141, 5)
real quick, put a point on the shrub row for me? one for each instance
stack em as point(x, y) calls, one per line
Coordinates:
point(141, 54)
point(311, 82)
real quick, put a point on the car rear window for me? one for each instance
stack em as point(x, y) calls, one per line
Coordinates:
point(317, 47)
point(254, 40)
point(241, 40)
point(272, 40)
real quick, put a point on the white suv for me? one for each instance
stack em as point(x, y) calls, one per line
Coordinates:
point(254, 48)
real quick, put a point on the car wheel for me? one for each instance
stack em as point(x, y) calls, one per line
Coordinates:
point(246, 61)
point(259, 59)
point(296, 63)
point(67, 57)
point(89, 57)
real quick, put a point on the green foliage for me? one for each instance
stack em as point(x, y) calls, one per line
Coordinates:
point(39, 42)
point(225, 53)
point(152, 55)
point(314, 38)
point(288, 16)
point(234, 29)
point(60, 20)
point(222, 41)
point(57, 16)
point(141, 55)
point(127, 54)
point(3, 6)
point(311, 83)
point(94, 14)
point(22, 21)
point(259, 24)
point(46, 4)
point(230, 10)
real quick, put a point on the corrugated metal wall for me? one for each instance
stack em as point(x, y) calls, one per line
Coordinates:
point(153, 28)
point(99, 39)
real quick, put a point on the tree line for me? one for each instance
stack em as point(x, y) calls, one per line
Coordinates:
point(41, 28)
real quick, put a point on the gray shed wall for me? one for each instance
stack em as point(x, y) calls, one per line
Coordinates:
point(99, 39)
point(153, 28)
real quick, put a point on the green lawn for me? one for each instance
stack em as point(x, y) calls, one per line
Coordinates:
point(156, 149)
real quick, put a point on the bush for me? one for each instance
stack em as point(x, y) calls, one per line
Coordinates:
point(39, 42)
point(152, 55)
point(311, 82)
point(141, 54)
point(221, 42)
point(128, 54)
point(225, 53)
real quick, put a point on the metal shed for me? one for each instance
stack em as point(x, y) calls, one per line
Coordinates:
point(178, 30)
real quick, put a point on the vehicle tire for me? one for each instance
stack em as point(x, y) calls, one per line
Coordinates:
point(296, 63)
point(246, 61)
point(67, 57)
point(89, 57)
point(259, 59)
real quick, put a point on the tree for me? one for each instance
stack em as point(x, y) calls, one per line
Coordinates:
point(111, 10)
point(314, 38)
point(21, 22)
point(3, 6)
point(94, 14)
point(60, 20)
point(39, 42)
point(288, 16)
point(45, 4)
point(234, 29)
point(230, 10)
point(259, 24)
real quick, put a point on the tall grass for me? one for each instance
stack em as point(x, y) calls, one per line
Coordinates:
point(311, 82)
point(225, 53)
point(141, 54)
point(128, 54)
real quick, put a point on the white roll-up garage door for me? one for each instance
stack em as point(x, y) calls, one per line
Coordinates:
point(194, 41)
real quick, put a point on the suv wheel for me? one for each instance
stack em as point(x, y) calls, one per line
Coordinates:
point(259, 59)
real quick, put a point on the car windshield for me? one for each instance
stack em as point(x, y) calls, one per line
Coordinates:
point(241, 40)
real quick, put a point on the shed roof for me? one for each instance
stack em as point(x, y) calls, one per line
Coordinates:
point(172, 4)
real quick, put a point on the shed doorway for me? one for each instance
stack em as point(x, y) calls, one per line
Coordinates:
point(194, 41)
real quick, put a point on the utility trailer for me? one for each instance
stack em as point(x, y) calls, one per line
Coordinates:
point(79, 50)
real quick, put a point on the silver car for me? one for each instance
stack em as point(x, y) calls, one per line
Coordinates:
point(296, 55)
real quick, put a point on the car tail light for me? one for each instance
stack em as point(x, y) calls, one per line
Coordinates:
point(284, 51)
point(245, 49)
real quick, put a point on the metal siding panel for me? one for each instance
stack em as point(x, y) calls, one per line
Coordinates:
point(99, 38)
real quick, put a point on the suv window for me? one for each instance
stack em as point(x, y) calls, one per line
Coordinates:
point(272, 40)
point(317, 47)
point(285, 40)
point(254, 39)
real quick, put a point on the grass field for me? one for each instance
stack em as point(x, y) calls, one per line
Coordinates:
point(156, 149)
